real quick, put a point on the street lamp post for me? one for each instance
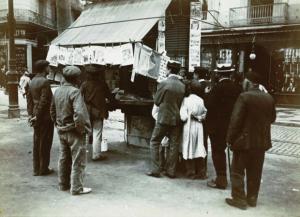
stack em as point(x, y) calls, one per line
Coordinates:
point(12, 76)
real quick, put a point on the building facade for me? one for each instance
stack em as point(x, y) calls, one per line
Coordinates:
point(269, 30)
point(37, 23)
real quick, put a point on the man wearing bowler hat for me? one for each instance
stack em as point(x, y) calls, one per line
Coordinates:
point(39, 98)
point(71, 118)
point(219, 104)
point(168, 98)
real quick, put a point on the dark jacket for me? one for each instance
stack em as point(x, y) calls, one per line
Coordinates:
point(219, 104)
point(95, 93)
point(39, 98)
point(250, 124)
point(168, 97)
point(68, 110)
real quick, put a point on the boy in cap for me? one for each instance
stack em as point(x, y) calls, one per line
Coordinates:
point(39, 98)
point(70, 115)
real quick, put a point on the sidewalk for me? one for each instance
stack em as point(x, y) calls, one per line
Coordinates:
point(120, 186)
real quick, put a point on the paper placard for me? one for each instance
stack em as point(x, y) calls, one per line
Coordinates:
point(195, 35)
point(146, 61)
point(69, 56)
point(62, 55)
point(98, 55)
point(77, 56)
point(52, 56)
point(126, 54)
point(86, 55)
point(163, 68)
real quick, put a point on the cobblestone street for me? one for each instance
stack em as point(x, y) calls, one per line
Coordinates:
point(286, 141)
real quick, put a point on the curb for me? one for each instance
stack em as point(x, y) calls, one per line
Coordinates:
point(286, 124)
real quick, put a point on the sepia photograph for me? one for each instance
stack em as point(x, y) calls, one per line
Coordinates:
point(149, 108)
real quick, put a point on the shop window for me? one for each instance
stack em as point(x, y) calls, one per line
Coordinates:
point(285, 76)
point(225, 57)
point(206, 58)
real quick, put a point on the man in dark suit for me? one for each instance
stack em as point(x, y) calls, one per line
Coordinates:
point(39, 98)
point(249, 136)
point(168, 98)
point(219, 104)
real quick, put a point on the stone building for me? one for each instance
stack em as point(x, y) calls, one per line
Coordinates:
point(37, 23)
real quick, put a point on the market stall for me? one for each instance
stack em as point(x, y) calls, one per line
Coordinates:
point(119, 36)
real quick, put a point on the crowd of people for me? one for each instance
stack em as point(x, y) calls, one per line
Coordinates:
point(188, 108)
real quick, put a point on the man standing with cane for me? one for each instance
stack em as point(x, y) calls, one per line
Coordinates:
point(249, 136)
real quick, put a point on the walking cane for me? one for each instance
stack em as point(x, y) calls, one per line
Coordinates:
point(229, 164)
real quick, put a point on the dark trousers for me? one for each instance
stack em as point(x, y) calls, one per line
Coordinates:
point(195, 167)
point(205, 137)
point(163, 156)
point(250, 162)
point(159, 132)
point(218, 147)
point(42, 143)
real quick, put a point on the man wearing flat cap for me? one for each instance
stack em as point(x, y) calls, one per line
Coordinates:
point(168, 98)
point(249, 137)
point(219, 106)
point(71, 118)
point(39, 98)
point(95, 92)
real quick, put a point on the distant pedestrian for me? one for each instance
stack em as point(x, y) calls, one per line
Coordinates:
point(95, 92)
point(38, 106)
point(24, 82)
point(70, 115)
point(249, 137)
point(219, 106)
point(168, 98)
point(192, 113)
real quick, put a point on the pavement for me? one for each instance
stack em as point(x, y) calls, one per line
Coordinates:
point(120, 186)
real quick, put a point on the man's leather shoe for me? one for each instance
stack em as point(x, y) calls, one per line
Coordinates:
point(100, 158)
point(156, 175)
point(83, 191)
point(171, 176)
point(64, 188)
point(47, 172)
point(213, 184)
point(236, 203)
point(251, 202)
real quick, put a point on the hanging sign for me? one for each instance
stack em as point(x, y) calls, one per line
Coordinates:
point(98, 55)
point(86, 55)
point(195, 35)
point(62, 55)
point(146, 61)
point(52, 56)
point(163, 68)
point(126, 54)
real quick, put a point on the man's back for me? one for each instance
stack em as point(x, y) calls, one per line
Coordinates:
point(40, 96)
point(219, 104)
point(168, 97)
point(253, 115)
